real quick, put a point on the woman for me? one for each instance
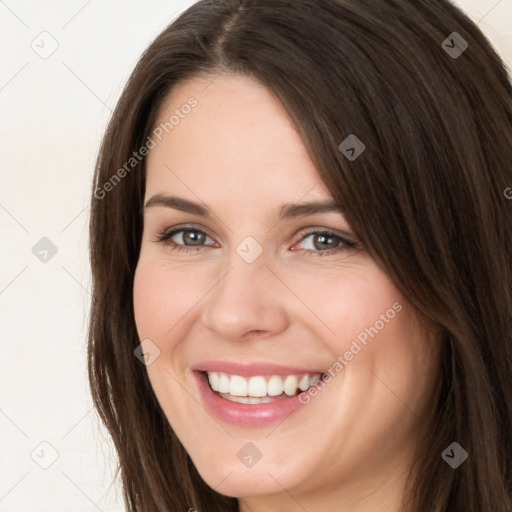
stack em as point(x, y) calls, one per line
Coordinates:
point(236, 369)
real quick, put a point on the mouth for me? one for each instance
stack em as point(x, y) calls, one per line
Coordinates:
point(253, 400)
point(259, 389)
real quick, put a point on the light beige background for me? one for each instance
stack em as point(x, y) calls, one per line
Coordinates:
point(52, 114)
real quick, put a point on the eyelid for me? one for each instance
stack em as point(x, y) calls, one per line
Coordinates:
point(309, 230)
point(172, 230)
point(303, 231)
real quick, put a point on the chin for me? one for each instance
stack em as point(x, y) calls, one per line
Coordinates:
point(243, 482)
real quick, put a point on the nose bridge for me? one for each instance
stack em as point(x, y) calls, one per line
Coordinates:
point(244, 266)
point(246, 296)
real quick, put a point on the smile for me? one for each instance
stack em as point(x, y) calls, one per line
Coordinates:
point(259, 389)
point(257, 395)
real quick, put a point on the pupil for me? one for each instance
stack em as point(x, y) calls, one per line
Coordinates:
point(193, 237)
point(323, 239)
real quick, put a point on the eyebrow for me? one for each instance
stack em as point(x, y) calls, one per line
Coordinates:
point(286, 211)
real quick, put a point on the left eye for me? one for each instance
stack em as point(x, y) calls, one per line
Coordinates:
point(325, 242)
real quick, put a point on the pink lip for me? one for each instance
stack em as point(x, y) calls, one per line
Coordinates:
point(251, 370)
point(246, 415)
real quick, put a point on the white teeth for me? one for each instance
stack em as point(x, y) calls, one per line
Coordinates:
point(275, 386)
point(290, 385)
point(314, 379)
point(248, 399)
point(223, 383)
point(304, 383)
point(238, 386)
point(213, 378)
point(259, 389)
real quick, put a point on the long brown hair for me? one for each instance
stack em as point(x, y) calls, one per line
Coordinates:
point(427, 198)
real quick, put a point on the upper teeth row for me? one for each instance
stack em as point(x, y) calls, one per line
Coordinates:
point(260, 386)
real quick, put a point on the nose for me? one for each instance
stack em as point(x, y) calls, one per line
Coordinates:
point(248, 299)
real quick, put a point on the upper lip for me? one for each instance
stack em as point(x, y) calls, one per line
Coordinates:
point(251, 369)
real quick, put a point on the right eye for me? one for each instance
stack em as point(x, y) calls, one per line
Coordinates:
point(183, 239)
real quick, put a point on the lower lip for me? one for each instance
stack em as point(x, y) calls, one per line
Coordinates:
point(246, 415)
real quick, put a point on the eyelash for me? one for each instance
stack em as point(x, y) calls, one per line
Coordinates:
point(165, 236)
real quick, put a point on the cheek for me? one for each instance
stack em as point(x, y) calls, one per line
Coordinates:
point(351, 304)
point(161, 297)
point(147, 295)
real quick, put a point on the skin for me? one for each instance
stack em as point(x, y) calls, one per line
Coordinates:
point(350, 448)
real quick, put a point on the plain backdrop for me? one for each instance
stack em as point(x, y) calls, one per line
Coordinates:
point(63, 66)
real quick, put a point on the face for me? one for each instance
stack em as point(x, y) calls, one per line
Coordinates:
point(249, 289)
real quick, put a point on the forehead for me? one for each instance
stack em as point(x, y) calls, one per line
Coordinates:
point(236, 138)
